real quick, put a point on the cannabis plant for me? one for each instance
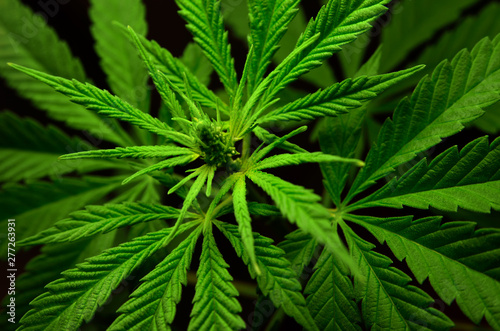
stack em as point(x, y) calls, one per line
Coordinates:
point(141, 191)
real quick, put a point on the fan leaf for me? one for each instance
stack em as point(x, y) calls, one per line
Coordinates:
point(102, 219)
point(244, 220)
point(49, 202)
point(30, 150)
point(460, 262)
point(205, 23)
point(338, 23)
point(301, 206)
point(215, 306)
point(268, 24)
point(469, 179)
point(102, 102)
point(75, 297)
point(331, 299)
point(338, 98)
point(388, 302)
point(438, 108)
point(126, 75)
point(25, 38)
point(278, 280)
point(153, 305)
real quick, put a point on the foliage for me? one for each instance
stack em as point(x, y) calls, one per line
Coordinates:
point(108, 215)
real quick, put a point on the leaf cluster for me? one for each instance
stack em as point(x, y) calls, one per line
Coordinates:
point(217, 153)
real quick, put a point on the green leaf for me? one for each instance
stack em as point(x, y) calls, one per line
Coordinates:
point(153, 305)
point(30, 150)
point(47, 267)
point(75, 297)
point(338, 23)
point(438, 108)
point(268, 24)
point(460, 262)
point(268, 138)
point(101, 101)
point(490, 121)
point(301, 206)
point(413, 23)
point(247, 116)
point(194, 59)
point(49, 202)
point(25, 38)
point(215, 306)
point(300, 249)
point(468, 179)
point(467, 32)
point(176, 71)
point(169, 163)
point(205, 23)
point(387, 301)
point(259, 153)
point(166, 93)
point(244, 220)
point(102, 219)
point(330, 296)
point(236, 16)
point(282, 160)
point(340, 136)
point(278, 280)
point(136, 152)
point(254, 208)
point(338, 98)
point(201, 175)
point(214, 210)
point(126, 75)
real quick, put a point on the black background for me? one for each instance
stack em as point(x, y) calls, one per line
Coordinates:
point(165, 26)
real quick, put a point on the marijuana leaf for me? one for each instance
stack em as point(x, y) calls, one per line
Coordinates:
point(467, 179)
point(330, 290)
point(30, 150)
point(338, 98)
point(49, 202)
point(337, 24)
point(153, 304)
point(440, 105)
point(136, 152)
point(405, 306)
point(268, 23)
point(215, 306)
point(180, 75)
point(126, 76)
point(91, 284)
point(205, 22)
point(242, 215)
point(301, 206)
point(103, 102)
point(24, 47)
point(102, 219)
point(278, 278)
point(460, 262)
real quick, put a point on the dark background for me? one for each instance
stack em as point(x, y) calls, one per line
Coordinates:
point(165, 26)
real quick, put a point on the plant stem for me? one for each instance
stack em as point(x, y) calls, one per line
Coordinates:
point(222, 205)
point(245, 153)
